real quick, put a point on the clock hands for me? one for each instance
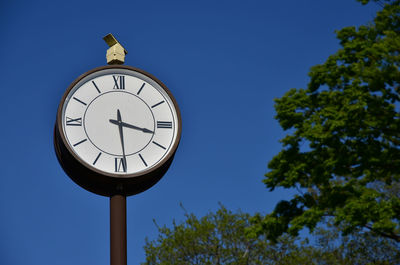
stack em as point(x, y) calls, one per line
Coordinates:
point(121, 135)
point(127, 125)
point(121, 125)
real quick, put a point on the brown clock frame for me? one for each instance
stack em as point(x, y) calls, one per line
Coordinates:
point(104, 183)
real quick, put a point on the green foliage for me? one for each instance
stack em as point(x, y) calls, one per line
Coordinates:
point(217, 238)
point(357, 248)
point(380, 2)
point(342, 151)
point(225, 237)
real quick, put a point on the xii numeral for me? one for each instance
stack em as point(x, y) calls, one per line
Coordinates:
point(119, 82)
point(74, 122)
point(120, 165)
point(164, 124)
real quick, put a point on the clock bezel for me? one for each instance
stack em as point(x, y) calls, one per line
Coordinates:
point(106, 183)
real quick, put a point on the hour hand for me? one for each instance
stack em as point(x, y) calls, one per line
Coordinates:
point(127, 125)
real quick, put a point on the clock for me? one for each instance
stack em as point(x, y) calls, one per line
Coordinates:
point(117, 130)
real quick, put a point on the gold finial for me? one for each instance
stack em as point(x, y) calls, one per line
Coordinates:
point(116, 53)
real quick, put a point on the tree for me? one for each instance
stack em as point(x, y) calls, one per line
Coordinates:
point(219, 238)
point(342, 148)
point(357, 248)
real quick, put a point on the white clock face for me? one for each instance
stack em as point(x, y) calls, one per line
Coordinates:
point(119, 121)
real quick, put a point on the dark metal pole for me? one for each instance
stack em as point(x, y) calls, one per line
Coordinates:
point(118, 230)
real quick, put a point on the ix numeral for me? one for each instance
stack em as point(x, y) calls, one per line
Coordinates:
point(120, 165)
point(74, 122)
point(119, 82)
point(164, 124)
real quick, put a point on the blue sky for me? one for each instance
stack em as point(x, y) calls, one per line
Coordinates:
point(224, 61)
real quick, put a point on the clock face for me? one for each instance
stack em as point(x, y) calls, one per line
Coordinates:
point(120, 121)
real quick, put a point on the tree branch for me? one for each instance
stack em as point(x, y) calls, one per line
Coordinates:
point(391, 235)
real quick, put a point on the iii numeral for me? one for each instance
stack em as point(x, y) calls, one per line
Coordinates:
point(164, 124)
point(74, 122)
point(120, 165)
point(119, 82)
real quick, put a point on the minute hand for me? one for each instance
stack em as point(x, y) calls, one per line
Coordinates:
point(127, 125)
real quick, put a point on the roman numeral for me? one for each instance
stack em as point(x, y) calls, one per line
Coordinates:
point(78, 143)
point(164, 124)
point(120, 165)
point(144, 162)
point(119, 82)
point(159, 103)
point(74, 122)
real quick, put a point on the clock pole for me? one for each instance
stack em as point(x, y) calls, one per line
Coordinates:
point(118, 253)
point(118, 230)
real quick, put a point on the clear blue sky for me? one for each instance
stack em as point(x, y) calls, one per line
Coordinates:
point(224, 61)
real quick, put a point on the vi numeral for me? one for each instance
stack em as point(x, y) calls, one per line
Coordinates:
point(119, 82)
